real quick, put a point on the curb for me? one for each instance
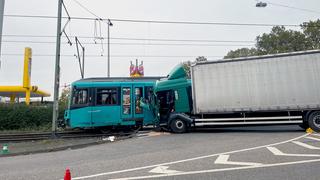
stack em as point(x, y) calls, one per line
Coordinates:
point(77, 146)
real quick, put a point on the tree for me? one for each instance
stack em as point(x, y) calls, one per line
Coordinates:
point(311, 30)
point(186, 66)
point(64, 98)
point(201, 59)
point(242, 52)
point(281, 40)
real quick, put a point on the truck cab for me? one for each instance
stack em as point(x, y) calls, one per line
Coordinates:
point(173, 99)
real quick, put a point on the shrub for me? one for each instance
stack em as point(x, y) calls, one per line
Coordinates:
point(20, 116)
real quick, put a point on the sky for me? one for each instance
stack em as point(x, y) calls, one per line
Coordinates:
point(158, 59)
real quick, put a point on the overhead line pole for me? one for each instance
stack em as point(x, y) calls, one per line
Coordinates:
point(109, 24)
point(55, 113)
point(108, 64)
point(1, 24)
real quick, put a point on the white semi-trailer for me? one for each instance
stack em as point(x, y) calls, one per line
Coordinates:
point(260, 90)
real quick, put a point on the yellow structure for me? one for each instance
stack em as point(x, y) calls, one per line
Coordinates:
point(26, 90)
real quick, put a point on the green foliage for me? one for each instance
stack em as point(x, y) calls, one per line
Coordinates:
point(34, 117)
point(64, 98)
point(281, 40)
point(311, 30)
point(20, 116)
point(243, 52)
point(186, 66)
point(201, 59)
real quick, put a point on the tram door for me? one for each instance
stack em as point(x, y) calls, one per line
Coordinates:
point(126, 102)
point(131, 96)
point(137, 96)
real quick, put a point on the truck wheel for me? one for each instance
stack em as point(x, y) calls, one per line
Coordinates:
point(314, 121)
point(178, 126)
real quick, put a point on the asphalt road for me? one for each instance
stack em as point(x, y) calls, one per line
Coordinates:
point(277, 152)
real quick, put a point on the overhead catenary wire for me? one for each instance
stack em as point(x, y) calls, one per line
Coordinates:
point(118, 56)
point(130, 44)
point(155, 21)
point(292, 7)
point(133, 39)
point(83, 7)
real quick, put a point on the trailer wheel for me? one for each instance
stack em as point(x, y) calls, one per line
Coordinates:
point(178, 126)
point(314, 121)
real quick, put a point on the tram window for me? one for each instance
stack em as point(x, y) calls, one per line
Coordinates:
point(126, 104)
point(107, 96)
point(148, 94)
point(138, 96)
point(80, 96)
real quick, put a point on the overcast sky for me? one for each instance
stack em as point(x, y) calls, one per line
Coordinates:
point(228, 11)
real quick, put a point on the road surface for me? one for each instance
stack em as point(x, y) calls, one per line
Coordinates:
point(275, 152)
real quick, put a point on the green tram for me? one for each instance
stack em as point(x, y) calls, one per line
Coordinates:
point(110, 102)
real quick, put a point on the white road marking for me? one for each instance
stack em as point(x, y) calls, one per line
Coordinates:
point(187, 160)
point(305, 145)
point(277, 152)
point(316, 134)
point(220, 170)
point(163, 170)
point(223, 159)
point(313, 138)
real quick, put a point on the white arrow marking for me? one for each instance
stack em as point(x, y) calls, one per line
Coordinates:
point(218, 170)
point(305, 145)
point(223, 159)
point(163, 170)
point(313, 138)
point(188, 160)
point(277, 152)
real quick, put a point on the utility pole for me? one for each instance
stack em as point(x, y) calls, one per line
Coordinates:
point(55, 113)
point(109, 24)
point(1, 24)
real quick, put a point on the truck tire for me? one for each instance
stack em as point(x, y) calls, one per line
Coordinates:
point(314, 121)
point(178, 126)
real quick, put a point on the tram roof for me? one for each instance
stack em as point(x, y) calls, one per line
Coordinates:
point(120, 79)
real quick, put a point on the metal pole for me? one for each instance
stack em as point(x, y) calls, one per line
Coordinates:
point(57, 72)
point(83, 61)
point(1, 24)
point(108, 48)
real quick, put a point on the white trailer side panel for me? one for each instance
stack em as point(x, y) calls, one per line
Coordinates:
point(280, 82)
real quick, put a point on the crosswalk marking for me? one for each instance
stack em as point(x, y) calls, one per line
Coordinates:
point(305, 145)
point(277, 152)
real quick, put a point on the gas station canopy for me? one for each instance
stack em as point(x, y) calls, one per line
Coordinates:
point(26, 90)
point(19, 91)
